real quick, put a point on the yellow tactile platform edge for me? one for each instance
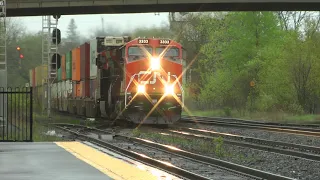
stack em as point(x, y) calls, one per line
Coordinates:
point(110, 166)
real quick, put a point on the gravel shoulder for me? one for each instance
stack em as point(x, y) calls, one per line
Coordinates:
point(272, 162)
point(195, 167)
point(202, 169)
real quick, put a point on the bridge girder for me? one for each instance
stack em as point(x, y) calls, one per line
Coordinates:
point(70, 7)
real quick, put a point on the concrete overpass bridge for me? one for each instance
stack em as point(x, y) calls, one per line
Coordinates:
point(70, 7)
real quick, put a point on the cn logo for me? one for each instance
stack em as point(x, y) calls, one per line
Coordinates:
point(154, 78)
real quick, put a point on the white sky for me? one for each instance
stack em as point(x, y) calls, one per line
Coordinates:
point(87, 22)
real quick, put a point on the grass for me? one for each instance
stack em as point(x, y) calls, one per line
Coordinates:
point(39, 130)
point(41, 125)
point(55, 118)
point(39, 135)
point(273, 117)
point(214, 113)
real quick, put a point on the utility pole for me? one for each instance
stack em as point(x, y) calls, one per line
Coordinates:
point(3, 59)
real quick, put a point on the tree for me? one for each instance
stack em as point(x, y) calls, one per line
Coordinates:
point(157, 32)
point(237, 53)
point(29, 44)
point(303, 55)
point(73, 38)
point(192, 31)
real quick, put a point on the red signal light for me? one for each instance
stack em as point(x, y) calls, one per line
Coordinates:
point(21, 56)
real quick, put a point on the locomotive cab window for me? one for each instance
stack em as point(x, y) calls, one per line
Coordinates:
point(137, 53)
point(171, 53)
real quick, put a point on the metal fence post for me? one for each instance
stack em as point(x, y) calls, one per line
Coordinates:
point(31, 115)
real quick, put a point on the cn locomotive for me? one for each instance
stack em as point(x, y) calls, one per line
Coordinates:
point(139, 80)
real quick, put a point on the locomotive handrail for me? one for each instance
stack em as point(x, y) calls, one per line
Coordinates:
point(125, 93)
point(113, 76)
point(181, 88)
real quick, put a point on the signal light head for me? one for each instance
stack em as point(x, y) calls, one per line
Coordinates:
point(18, 48)
point(21, 56)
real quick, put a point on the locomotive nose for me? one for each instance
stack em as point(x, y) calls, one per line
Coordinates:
point(155, 63)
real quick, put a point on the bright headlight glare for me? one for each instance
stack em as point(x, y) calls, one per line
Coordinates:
point(169, 90)
point(141, 89)
point(155, 63)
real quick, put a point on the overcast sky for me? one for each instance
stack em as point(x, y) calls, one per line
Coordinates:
point(87, 22)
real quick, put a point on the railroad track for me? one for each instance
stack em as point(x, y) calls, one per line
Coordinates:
point(252, 121)
point(297, 150)
point(98, 122)
point(230, 122)
point(206, 166)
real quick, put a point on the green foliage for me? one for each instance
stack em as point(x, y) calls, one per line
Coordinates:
point(253, 46)
point(18, 101)
point(218, 142)
point(30, 45)
point(136, 132)
point(227, 112)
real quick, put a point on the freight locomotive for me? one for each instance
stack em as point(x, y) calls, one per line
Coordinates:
point(140, 80)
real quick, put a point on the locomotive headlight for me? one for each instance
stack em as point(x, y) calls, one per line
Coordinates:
point(169, 89)
point(141, 89)
point(155, 63)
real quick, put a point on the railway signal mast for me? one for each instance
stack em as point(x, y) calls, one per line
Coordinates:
point(51, 38)
point(3, 59)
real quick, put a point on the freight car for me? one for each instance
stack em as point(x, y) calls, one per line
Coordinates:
point(139, 80)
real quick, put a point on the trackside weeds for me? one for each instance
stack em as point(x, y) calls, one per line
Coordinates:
point(214, 147)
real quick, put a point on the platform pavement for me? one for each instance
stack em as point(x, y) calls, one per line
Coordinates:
point(63, 161)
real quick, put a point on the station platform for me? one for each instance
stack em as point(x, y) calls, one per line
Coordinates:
point(66, 161)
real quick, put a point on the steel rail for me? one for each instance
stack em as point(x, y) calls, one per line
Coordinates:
point(294, 130)
point(256, 140)
point(254, 121)
point(264, 146)
point(243, 170)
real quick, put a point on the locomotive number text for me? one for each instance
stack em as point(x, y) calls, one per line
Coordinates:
point(143, 41)
point(164, 41)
